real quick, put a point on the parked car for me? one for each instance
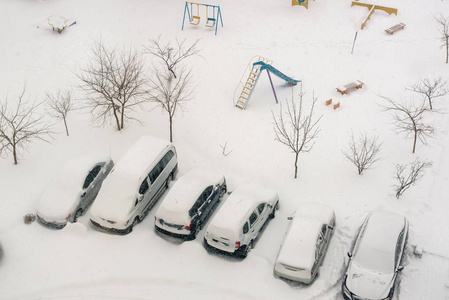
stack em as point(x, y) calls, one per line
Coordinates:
point(239, 221)
point(189, 203)
point(73, 189)
point(305, 243)
point(137, 181)
point(375, 260)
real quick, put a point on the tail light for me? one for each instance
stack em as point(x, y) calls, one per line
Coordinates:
point(237, 245)
point(188, 227)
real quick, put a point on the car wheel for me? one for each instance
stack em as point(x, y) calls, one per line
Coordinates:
point(273, 212)
point(223, 191)
point(170, 178)
point(136, 221)
point(78, 214)
point(247, 249)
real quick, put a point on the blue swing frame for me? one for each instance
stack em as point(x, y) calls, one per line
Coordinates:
point(190, 13)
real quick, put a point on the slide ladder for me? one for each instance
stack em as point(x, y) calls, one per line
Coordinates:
point(252, 73)
point(246, 87)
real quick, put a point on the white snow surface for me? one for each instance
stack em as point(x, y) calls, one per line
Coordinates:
point(238, 207)
point(183, 194)
point(65, 187)
point(313, 45)
point(119, 190)
point(298, 247)
point(379, 240)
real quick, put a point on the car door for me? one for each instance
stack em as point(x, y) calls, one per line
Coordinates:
point(90, 186)
point(157, 182)
point(208, 196)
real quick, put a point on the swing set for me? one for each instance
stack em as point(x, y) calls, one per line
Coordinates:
point(194, 19)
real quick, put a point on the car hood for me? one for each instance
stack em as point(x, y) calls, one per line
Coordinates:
point(57, 202)
point(368, 284)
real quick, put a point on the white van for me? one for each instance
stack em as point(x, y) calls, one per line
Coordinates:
point(240, 219)
point(135, 184)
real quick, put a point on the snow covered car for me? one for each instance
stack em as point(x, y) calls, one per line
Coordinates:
point(239, 221)
point(189, 203)
point(73, 190)
point(135, 184)
point(305, 243)
point(375, 260)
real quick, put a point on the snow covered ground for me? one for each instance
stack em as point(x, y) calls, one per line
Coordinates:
point(312, 45)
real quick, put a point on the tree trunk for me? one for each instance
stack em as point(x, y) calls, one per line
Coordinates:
point(122, 116)
point(116, 118)
point(414, 141)
point(171, 128)
point(447, 49)
point(66, 128)
point(296, 165)
point(14, 153)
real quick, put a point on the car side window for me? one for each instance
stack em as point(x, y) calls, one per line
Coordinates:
point(245, 228)
point(253, 218)
point(323, 230)
point(157, 170)
point(167, 157)
point(143, 186)
point(91, 176)
point(260, 208)
point(398, 248)
point(200, 201)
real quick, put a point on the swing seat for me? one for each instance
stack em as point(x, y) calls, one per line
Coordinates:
point(210, 22)
point(195, 20)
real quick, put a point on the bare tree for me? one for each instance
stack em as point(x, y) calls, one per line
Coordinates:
point(21, 125)
point(443, 24)
point(430, 89)
point(298, 129)
point(364, 152)
point(409, 119)
point(170, 92)
point(60, 104)
point(114, 83)
point(407, 175)
point(172, 55)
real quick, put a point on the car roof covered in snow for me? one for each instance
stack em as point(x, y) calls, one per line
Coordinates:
point(63, 192)
point(379, 240)
point(238, 207)
point(298, 248)
point(118, 192)
point(185, 191)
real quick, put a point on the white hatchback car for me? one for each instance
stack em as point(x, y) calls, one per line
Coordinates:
point(189, 203)
point(305, 243)
point(241, 218)
point(73, 190)
point(375, 260)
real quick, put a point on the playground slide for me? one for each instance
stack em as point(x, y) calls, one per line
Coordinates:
point(276, 72)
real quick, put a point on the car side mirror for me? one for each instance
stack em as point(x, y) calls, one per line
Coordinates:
point(83, 193)
point(139, 197)
point(330, 227)
point(400, 268)
point(290, 218)
point(349, 254)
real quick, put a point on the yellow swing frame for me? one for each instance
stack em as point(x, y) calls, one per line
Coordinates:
point(195, 19)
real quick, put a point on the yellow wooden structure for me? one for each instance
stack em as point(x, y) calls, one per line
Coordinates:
point(304, 3)
point(372, 8)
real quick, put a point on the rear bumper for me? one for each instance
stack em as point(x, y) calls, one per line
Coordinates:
point(279, 273)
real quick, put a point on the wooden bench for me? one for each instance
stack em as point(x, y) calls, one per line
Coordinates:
point(346, 88)
point(395, 28)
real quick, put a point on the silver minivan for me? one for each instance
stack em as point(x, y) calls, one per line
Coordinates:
point(134, 185)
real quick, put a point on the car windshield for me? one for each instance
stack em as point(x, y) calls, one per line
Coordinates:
point(375, 260)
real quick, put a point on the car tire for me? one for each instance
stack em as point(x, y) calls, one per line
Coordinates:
point(170, 178)
point(135, 222)
point(78, 214)
point(223, 191)
point(273, 212)
point(247, 249)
